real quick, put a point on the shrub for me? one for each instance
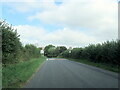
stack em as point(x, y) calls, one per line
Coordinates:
point(76, 53)
point(107, 52)
point(65, 54)
point(10, 43)
point(12, 49)
point(52, 51)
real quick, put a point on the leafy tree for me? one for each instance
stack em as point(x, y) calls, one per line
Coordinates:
point(46, 50)
point(76, 52)
point(10, 43)
point(107, 52)
point(65, 54)
point(52, 51)
point(12, 49)
point(32, 50)
point(61, 49)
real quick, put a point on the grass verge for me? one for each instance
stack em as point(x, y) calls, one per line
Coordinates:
point(14, 76)
point(100, 65)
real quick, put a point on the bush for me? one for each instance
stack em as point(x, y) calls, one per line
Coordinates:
point(107, 52)
point(12, 49)
point(28, 52)
point(52, 51)
point(76, 53)
point(65, 54)
point(10, 43)
point(32, 50)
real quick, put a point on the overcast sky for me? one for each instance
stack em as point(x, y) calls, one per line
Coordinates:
point(73, 23)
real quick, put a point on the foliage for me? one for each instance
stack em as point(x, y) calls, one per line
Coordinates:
point(10, 43)
point(46, 52)
point(52, 51)
point(61, 49)
point(75, 52)
point(32, 50)
point(28, 52)
point(107, 52)
point(12, 49)
point(65, 54)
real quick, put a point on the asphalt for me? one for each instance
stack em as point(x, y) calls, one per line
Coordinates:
point(62, 73)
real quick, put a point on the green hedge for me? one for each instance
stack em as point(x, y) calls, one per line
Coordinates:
point(12, 49)
point(107, 52)
point(10, 43)
point(52, 51)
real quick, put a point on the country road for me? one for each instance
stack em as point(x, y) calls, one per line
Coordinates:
point(61, 73)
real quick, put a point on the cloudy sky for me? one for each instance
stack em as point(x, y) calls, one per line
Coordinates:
point(73, 23)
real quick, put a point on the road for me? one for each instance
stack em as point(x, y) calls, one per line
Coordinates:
point(61, 73)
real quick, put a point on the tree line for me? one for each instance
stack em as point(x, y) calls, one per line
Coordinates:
point(12, 49)
point(107, 52)
point(52, 51)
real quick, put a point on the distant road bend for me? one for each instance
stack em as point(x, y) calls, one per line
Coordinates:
point(62, 73)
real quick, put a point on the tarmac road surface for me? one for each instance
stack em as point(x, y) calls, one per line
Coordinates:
point(62, 73)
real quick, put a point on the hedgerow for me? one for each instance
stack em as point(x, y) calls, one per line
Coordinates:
point(12, 49)
point(107, 52)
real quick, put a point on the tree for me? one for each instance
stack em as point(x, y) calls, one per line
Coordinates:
point(52, 52)
point(46, 50)
point(61, 49)
point(107, 52)
point(76, 53)
point(10, 43)
point(65, 54)
point(32, 50)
